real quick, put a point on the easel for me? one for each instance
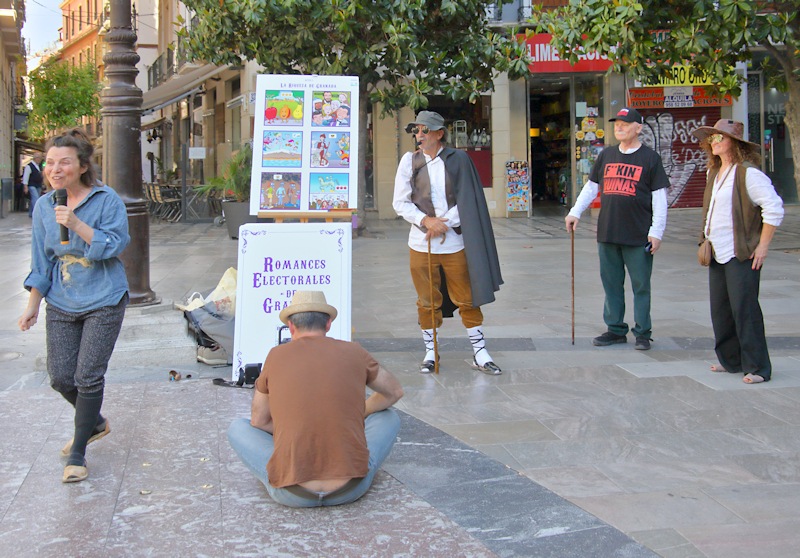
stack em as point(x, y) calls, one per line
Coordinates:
point(328, 216)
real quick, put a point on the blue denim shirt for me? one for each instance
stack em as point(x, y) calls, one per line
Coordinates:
point(79, 277)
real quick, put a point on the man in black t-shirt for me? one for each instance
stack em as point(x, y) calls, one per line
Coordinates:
point(633, 215)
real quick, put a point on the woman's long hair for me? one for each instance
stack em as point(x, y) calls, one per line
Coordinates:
point(77, 139)
point(741, 152)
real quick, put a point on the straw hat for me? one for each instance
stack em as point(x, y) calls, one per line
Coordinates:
point(731, 128)
point(308, 301)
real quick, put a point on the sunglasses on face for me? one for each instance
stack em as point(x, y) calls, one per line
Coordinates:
point(716, 138)
point(416, 129)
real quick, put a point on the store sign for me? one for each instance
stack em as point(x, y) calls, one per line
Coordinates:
point(679, 76)
point(675, 97)
point(547, 60)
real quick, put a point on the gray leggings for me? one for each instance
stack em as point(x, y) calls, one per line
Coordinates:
point(79, 346)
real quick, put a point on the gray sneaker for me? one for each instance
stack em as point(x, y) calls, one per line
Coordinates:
point(642, 344)
point(212, 357)
point(609, 338)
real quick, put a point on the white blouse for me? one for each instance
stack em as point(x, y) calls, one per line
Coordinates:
point(719, 220)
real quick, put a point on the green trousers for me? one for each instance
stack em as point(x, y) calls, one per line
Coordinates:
point(614, 260)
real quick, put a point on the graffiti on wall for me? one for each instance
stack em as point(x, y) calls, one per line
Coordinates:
point(670, 135)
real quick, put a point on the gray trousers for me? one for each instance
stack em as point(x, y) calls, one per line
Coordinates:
point(79, 346)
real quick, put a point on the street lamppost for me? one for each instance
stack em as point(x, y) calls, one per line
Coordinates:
point(121, 102)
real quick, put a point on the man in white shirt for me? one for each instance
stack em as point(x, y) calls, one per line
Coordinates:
point(633, 215)
point(452, 249)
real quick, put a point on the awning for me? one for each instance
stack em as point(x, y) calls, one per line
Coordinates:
point(177, 88)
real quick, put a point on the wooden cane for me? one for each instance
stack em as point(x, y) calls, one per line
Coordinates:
point(572, 243)
point(433, 313)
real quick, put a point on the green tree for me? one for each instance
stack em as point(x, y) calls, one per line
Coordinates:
point(711, 36)
point(401, 50)
point(60, 95)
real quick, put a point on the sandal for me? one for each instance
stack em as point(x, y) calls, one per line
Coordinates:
point(67, 449)
point(718, 368)
point(753, 379)
point(75, 473)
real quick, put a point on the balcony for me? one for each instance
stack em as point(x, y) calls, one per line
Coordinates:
point(162, 69)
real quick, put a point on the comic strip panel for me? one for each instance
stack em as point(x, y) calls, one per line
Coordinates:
point(330, 150)
point(280, 190)
point(282, 149)
point(330, 108)
point(328, 190)
point(283, 108)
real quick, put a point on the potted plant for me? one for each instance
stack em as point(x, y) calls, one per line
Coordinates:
point(233, 188)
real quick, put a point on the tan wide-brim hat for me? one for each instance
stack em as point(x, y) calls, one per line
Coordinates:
point(731, 128)
point(308, 301)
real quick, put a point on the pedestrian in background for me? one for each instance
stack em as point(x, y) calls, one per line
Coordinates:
point(633, 215)
point(33, 181)
point(741, 212)
point(84, 284)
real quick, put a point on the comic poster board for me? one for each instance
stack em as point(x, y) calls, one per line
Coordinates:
point(518, 192)
point(277, 259)
point(305, 138)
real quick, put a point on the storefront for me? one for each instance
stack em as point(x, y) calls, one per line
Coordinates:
point(767, 127)
point(469, 126)
point(567, 121)
point(672, 109)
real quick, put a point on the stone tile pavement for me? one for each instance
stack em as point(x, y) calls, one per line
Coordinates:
point(574, 451)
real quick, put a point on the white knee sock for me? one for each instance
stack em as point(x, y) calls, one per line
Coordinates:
point(427, 337)
point(482, 356)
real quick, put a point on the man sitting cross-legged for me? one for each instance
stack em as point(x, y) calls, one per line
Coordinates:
point(312, 438)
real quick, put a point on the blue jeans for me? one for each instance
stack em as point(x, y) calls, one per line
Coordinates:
point(255, 447)
point(34, 192)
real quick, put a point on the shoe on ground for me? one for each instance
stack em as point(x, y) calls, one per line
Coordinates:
point(67, 449)
point(75, 473)
point(642, 344)
point(427, 367)
point(212, 356)
point(489, 368)
point(609, 338)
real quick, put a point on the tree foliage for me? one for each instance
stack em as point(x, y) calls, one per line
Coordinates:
point(710, 36)
point(60, 95)
point(402, 51)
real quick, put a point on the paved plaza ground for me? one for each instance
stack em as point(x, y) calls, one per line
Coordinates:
point(574, 450)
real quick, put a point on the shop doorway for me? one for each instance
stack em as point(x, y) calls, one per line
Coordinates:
point(550, 161)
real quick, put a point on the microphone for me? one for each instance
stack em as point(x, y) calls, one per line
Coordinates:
point(61, 199)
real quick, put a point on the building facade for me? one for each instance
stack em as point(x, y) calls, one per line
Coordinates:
point(12, 96)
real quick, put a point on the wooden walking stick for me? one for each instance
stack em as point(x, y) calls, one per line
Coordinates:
point(433, 313)
point(572, 243)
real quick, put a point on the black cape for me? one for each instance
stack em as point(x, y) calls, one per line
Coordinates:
point(476, 226)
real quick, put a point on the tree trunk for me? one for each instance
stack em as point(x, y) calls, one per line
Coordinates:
point(793, 128)
point(362, 155)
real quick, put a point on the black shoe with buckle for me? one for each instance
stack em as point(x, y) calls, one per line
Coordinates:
point(642, 344)
point(609, 338)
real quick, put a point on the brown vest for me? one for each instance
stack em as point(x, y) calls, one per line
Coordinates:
point(747, 220)
point(421, 186)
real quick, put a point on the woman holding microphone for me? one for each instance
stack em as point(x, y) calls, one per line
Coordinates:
point(75, 267)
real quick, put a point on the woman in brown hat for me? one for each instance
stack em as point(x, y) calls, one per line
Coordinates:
point(741, 212)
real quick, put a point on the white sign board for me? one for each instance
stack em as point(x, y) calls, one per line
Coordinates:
point(277, 259)
point(197, 153)
point(305, 138)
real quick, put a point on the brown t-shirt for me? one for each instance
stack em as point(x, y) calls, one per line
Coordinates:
point(316, 388)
